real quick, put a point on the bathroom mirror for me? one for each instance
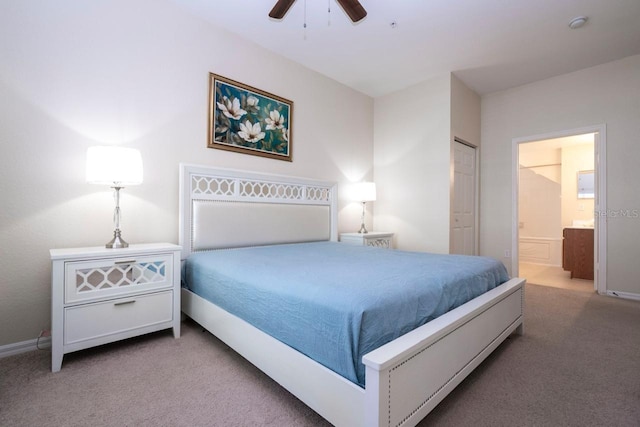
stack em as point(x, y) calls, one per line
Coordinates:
point(586, 184)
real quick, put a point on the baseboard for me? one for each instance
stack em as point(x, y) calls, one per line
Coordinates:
point(24, 346)
point(626, 295)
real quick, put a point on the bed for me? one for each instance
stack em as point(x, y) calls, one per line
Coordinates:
point(225, 212)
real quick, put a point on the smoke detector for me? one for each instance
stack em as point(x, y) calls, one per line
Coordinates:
point(578, 22)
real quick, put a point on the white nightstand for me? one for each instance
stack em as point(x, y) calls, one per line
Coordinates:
point(373, 238)
point(101, 295)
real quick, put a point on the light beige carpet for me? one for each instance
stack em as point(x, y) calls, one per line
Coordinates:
point(578, 364)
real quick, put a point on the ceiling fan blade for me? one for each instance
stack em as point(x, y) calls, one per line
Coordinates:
point(353, 8)
point(281, 8)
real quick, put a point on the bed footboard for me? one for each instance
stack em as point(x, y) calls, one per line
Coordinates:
point(408, 377)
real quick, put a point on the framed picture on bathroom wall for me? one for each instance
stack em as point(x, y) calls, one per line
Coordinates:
point(248, 120)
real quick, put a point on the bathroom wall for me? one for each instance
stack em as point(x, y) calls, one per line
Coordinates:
point(574, 159)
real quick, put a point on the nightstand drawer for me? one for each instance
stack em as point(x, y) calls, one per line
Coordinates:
point(91, 321)
point(104, 278)
point(379, 242)
point(377, 239)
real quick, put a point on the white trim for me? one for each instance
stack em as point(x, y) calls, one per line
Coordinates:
point(600, 234)
point(600, 163)
point(24, 346)
point(625, 295)
point(477, 202)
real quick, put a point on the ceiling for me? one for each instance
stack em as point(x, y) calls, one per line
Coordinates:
point(489, 44)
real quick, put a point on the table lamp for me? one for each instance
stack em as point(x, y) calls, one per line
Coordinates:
point(117, 167)
point(364, 192)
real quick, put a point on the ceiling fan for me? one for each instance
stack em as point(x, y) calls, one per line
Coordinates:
point(353, 8)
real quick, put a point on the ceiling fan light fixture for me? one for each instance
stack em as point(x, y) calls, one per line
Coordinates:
point(352, 8)
point(280, 9)
point(578, 22)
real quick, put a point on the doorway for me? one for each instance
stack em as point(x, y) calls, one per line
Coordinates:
point(558, 190)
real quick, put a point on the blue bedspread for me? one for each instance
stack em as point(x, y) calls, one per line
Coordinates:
point(336, 302)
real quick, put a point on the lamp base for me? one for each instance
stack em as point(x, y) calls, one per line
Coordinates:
point(363, 229)
point(117, 241)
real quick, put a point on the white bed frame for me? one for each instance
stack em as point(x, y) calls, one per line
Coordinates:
point(406, 378)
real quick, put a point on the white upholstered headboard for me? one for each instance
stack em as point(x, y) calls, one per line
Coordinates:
point(226, 208)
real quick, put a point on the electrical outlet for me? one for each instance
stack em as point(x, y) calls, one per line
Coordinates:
point(507, 253)
point(45, 333)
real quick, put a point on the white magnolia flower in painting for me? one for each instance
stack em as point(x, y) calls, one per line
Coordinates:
point(231, 109)
point(285, 134)
point(275, 120)
point(252, 101)
point(249, 132)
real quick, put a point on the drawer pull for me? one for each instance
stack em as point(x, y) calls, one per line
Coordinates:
point(131, 261)
point(124, 302)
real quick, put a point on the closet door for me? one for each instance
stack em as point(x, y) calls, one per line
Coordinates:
point(463, 224)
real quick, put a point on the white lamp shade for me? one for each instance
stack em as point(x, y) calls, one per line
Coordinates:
point(364, 191)
point(111, 165)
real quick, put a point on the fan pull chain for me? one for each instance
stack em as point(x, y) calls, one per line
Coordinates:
point(305, 21)
point(328, 13)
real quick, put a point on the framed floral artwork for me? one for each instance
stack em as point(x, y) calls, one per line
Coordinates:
point(248, 120)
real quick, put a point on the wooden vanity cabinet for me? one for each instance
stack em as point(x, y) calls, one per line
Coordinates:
point(577, 252)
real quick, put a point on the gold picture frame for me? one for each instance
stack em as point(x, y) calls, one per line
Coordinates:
point(248, 120)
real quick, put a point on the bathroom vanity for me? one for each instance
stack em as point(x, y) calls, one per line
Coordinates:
point(577, 252)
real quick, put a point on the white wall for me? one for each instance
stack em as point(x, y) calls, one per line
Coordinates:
point(465, 113)
point(412, 150)
point(413, 147)
point(79, 73)
point(607, 94)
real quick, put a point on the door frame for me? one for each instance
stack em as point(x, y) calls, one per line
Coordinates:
point(476, 189)
point(600, 201)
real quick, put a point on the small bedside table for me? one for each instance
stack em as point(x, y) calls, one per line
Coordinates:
point(373, 238)
point(101, 295)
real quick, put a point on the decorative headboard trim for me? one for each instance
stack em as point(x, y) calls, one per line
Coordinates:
point(200, 184)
